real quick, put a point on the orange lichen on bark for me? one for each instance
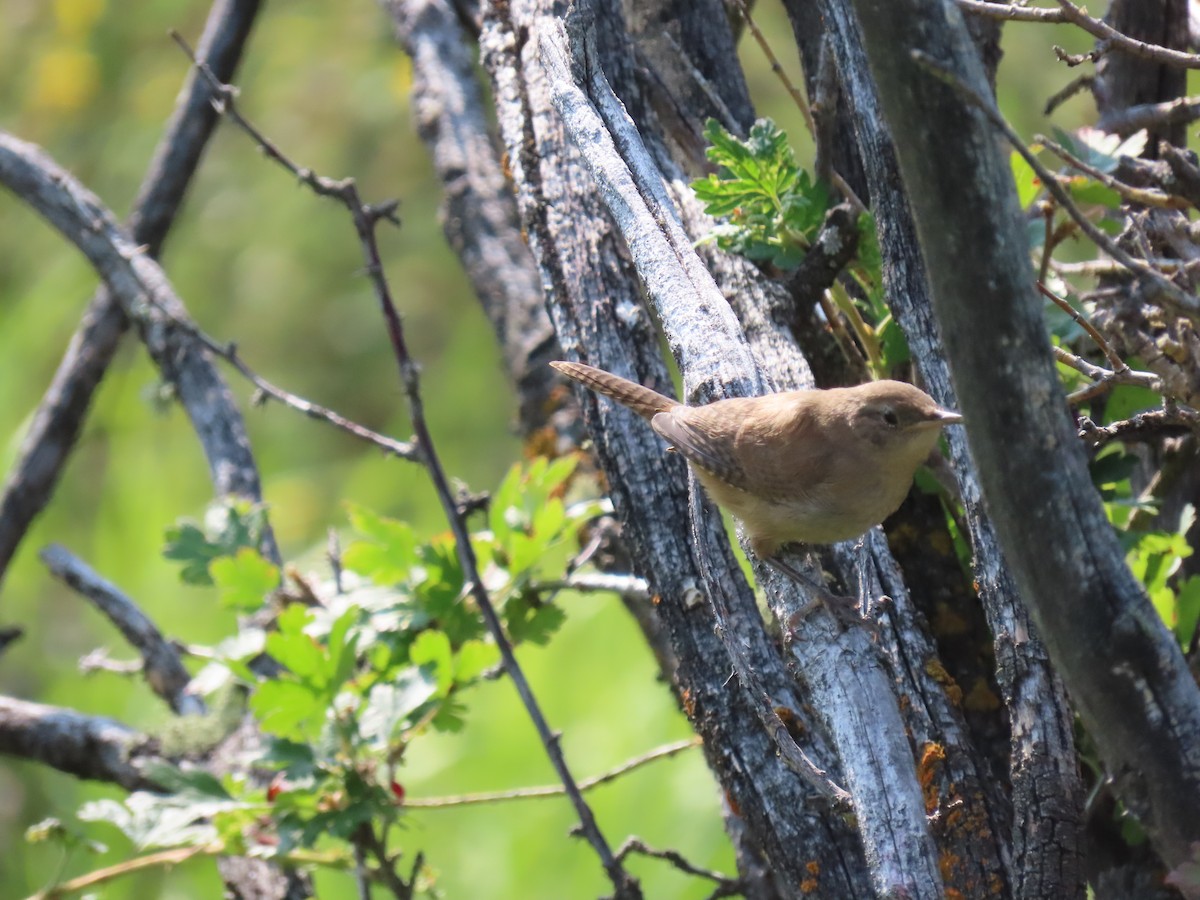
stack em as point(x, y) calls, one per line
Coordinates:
point(935, 670)
point(933, 755)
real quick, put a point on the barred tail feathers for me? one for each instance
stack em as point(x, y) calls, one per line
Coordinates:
point(643, 401)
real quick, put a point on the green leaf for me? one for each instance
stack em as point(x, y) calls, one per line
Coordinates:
point(341, 645)
point(302, 656)
point(187, 544)
point(1187, 609)
point(431, 650)
point(389, 551)
point(283, 708)
point(473, 659)
point(1126, 400)
point(773, 208)
point(389, 707)
point(295, 758)
point(65, 835)
point(557, 473)
point(549, 519)
point(244, 580)
point(450, 716)
point(162, 820)
point(1087, 192)
point(228, 526)
point(504, 511)
point(1027, 182)
point(439, 594)
point(180, 781)
point(529, 620)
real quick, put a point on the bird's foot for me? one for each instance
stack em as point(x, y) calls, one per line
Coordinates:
point(844, 609)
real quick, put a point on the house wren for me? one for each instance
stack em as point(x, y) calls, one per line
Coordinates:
point(814, 467)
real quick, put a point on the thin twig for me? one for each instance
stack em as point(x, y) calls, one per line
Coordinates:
point(592, 582)
point(839, 182)
point(1078, 59)
point(675, 858)
point(1073, 87)
point(1184, 302)
point(1100, 29)
point(366, 218)
point(1103, 379)
point(1094, 268)
point(1180, 111)
point(1143, 196)
point(229, 352)
point(1012, 13)
point(1110, 354)
point(99, 661)
point(553, 790)
point(225, 103)
point(163, 858)
point(365, 839)
point(1150, 424)
point(793, 91)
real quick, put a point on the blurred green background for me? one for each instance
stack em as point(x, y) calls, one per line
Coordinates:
point(261, 261)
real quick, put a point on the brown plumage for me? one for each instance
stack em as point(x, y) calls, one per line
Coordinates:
point(814, 466)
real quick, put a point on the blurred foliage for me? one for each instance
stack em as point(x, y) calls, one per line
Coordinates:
point(385, 657)
point(262, 262)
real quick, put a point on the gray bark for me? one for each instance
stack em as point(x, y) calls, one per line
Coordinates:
point(1124, 670)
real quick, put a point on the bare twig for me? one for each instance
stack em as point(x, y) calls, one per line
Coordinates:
point(1148, 425)
point(366, 218)
point(99, 661)
point(229, 352)
point(729, 885)
point(591, 582)
point(164, 672)
point(1077, 15)
point(554, 790)
point(1073, 87)
point(1103, 379)
point(1143, 196)
point(367, 841)
point(161, 859)
point(1078, 59)
point(225, 103)
point(1010, 12)
point(1101, 30)
point(839, 182)
point(1150, 115)
point(1180, 299)
point(1110, 354)
point(797, 98)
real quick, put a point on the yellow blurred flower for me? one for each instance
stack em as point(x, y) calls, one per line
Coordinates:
point(64, 79)
point(76, 17)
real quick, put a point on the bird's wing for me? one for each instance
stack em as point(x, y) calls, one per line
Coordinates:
point(700, 445)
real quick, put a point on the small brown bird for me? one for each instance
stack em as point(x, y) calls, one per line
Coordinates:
point(814, 467)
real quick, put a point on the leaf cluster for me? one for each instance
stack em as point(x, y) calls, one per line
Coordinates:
point(368, 662)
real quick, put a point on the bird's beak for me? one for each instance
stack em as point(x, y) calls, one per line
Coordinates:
point(947, 417)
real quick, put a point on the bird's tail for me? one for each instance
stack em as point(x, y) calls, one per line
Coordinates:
point(643, 401)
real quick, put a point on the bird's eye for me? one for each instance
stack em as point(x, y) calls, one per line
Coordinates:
point(890, 417)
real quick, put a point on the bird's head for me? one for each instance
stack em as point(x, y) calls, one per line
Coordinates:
point(901, 421)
